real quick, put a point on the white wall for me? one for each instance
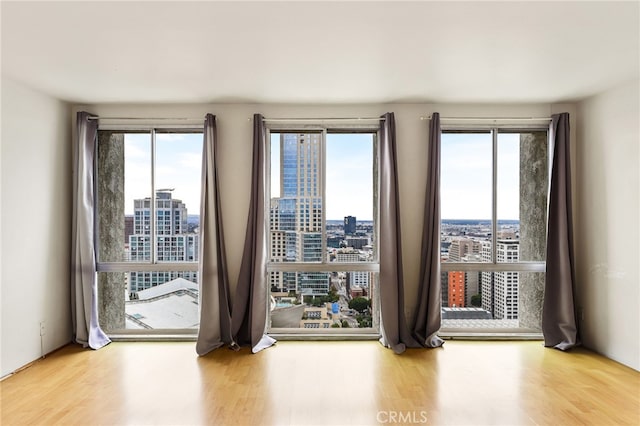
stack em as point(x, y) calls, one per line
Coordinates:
point(607, 235)
point(36, 217)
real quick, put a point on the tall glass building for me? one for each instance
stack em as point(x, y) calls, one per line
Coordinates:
point(296, 216)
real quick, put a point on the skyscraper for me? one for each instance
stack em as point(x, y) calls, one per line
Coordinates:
point(173, 243)
point(500, 289)
point(296, 217)
point(506, 283)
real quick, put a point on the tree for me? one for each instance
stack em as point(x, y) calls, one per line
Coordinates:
point(364, 321)
point(345, 324)
point(329, 298)
point(476, 300)
point(333, 296)
point(360, 304)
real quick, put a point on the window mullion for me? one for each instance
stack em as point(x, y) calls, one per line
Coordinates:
point(323, 165)
point(494, 196)
point(152, 206)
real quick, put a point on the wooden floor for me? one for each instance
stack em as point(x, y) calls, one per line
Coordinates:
point(322, 383)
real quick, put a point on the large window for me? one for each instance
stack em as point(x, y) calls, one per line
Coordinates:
point(494, 185)
point(323, 257)
point(148, 203)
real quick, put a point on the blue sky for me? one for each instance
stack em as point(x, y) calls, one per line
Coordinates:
point(465, 173)
point(466, 176)
point(178, 166)
point(349, 180)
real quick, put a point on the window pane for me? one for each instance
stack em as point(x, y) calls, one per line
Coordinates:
point(322, 300)
point(522, 196)
point(296, 210)
point(148, 299)
point(178, 183)
point(491, 300)
point(466, 196)
point(170, 300)
point(123, 190)
point(322, 209)
point(349, 195)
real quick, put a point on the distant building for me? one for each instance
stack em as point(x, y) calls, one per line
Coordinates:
point(128, 227)
point(357, 292)
point(472, 279)
point(357, 242)
point(459, 286)
point(318, 317)
point(507, 234)
point(347, 255)
point(500, 289)
point(461, 247)
point(360, 279)
point(334, 241)
point(444, 285)
point(456, 289)
point(349, 225)
point(173, 243)
point(487, 288)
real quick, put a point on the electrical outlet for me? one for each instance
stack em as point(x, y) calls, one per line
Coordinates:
point(42, 328)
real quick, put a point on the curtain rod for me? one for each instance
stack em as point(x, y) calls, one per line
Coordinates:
point(325, 119)
point(147, 118)
point(490, 118)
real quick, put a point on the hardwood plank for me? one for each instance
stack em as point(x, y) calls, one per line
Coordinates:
point(322, 383)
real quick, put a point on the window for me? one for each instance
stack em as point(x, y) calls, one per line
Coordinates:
point(494, 185)
point(323, 230)
point(148, 203)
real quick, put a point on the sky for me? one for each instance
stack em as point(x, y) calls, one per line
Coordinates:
point(466, 176)
point(178, 166)
point(349, 177)
point(465, 173)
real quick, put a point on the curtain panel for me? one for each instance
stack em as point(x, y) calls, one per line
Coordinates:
point(215, 304)
point(84, 284)
point(559, 324)
point(249, 313)
point(395, 333)
point(429, 312)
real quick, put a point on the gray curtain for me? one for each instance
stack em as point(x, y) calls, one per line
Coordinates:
point(429, 314)
point(249, 313)
point(84, 284)
point(215, 308)
point(395, 333)
point(559, 325)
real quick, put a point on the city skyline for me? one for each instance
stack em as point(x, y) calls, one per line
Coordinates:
point(349, 174)
point(349, 159)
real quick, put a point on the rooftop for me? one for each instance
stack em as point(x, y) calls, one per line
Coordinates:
point(172, 305)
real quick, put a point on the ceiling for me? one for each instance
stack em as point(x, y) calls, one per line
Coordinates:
point(320, 52)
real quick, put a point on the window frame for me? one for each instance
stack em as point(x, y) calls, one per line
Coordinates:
point(152, 265)
point(373, 266)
